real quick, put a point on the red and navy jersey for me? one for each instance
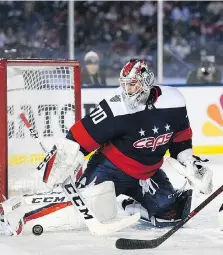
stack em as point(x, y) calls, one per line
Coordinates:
point(135, 140)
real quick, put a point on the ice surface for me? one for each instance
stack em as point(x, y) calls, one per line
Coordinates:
point(200, 236)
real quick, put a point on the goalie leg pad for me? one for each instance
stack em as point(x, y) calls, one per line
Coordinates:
point(53, 211)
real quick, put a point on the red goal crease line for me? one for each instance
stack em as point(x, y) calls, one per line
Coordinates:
point(35, 158)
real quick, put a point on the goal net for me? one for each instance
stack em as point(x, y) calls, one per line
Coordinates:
point(48, 93)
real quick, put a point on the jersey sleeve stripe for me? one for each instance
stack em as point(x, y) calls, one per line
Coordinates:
point(129, 165)
point(81, 135)
point(183, 135)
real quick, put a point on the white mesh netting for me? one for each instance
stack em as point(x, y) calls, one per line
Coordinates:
point(46, 96)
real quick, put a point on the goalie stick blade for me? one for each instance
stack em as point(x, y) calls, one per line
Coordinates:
point(134, 244)
point(100, 229)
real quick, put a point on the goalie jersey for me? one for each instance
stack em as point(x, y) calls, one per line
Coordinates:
point(135, 140)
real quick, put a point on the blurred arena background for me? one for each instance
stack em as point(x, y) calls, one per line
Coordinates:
point(117, 31)
point(181, 40)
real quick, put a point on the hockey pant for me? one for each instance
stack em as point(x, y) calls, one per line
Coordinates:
point(157, 199)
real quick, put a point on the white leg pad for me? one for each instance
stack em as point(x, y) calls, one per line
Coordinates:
point(101, 199)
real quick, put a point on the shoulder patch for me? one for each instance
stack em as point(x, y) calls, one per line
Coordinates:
point(116, 98)
point(115, 102)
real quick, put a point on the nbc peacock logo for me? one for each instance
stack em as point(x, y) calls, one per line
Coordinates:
point(214, 127)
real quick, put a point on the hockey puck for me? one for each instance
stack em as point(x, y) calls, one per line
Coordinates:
point(37, 230)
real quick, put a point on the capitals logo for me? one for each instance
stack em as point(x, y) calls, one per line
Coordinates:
point(152, 142)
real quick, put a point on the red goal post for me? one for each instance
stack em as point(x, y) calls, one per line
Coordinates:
point(49, 93)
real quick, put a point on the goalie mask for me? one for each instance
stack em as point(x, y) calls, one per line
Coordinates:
point(136, 80)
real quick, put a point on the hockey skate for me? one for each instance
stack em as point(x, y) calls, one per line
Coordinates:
point(169, 217)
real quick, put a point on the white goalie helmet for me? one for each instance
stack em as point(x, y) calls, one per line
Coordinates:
point(136, 80)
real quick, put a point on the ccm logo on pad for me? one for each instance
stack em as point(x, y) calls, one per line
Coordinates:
point(37, 200)
point(152, 142)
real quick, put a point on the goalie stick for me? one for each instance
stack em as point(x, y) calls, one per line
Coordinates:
point(93, 224)
point(73, 194)
point(32, 131)
point(133, 244)
point(35, 135)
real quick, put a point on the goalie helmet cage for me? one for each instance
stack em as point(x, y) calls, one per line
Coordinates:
point(48, 92)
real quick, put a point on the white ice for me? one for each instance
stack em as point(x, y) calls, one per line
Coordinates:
point(200, 236)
